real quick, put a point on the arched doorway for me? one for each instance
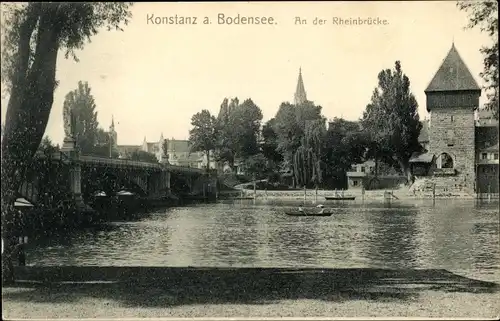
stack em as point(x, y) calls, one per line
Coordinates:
point(444, 161)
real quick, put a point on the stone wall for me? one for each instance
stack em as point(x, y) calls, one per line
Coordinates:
point(459, 122)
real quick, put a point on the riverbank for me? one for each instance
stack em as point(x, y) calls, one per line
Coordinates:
point(126, 292)
point(375, 195)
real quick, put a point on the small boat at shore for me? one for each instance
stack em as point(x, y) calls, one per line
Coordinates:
point(308, 213)
point(340, 198)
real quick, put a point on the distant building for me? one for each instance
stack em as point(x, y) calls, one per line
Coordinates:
point(356, 177)
point(178, 151)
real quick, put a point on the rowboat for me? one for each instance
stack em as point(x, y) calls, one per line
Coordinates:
point(306, 213)
point(340, 198)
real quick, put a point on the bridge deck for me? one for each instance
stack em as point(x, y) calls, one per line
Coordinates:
point(110, 162)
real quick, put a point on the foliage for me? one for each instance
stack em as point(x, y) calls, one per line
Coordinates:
point(290, 123)
point(391, 120)
point(290, 128)
point(47, 147)
point(81, 102)
point(269, 144)
point(203, 135)
point(143, 156)
point(103, 146)
point(307, 159)
point(484, 15)
point(225, 143)
point(34, 33)
point(256, 165)
point(245, 124)
point(344, 145)
point(90, 138)
point(239, 130)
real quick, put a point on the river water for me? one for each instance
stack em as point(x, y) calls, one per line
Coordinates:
point(459, 236)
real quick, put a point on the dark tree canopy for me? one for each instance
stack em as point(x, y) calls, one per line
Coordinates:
point(269, 144)
point(484, 15)
point(238, 130)
point(34, 33)
point(82, 103)
point(204, 133)
point(391, 121)
point(290, 125)
point(256, 165)
point(143, 156)
point(245, 126)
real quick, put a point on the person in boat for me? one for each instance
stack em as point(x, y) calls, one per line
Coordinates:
point(301, 209)
point(322, 208)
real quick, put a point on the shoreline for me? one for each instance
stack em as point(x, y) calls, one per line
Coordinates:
point(371, 195)
point(110, 292)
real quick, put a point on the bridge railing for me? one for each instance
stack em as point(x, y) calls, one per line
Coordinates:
point(117, 162)
point(127, 162)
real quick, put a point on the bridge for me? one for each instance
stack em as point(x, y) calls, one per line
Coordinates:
point(67, 175)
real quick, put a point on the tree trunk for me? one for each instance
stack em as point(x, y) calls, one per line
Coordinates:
point(405, 170)
point(208, 162)
point(28, 111)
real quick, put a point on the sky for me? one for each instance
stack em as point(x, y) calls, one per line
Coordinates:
point(153, 77)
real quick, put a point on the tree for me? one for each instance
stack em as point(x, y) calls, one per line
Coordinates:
point(143, 156)
point(34, 34)
point(269, 144)
point(82, 103)
point(269, 147)
point(391, 119)
point(203, 135)
point(244, 122)
point(307, 159)
point(239, 130)
point(344, 145)
point(484, 15)
point(290, 126)
point(47, 147)
point(225, 143)
point(103, 146)
point(256, 165)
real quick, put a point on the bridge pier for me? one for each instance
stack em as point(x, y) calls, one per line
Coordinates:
point(70, 149)
point(166, 175)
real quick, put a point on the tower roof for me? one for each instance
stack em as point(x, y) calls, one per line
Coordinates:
point(452, 75)
point(300, 92)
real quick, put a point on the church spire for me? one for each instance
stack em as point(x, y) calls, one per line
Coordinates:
point(300, 93)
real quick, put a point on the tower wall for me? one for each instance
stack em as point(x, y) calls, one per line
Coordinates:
point(452, 131)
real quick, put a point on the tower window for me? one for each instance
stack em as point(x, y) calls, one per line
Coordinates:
point(495, 156)
point(484, 156)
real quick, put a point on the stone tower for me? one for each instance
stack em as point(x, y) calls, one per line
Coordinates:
point(452, 98)
point(300, 93)
point(113, 134)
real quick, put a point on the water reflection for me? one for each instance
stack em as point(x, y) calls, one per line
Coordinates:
point(460, 237)
point(392, 243)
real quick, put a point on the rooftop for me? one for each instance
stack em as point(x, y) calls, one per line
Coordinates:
point(453, 75)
